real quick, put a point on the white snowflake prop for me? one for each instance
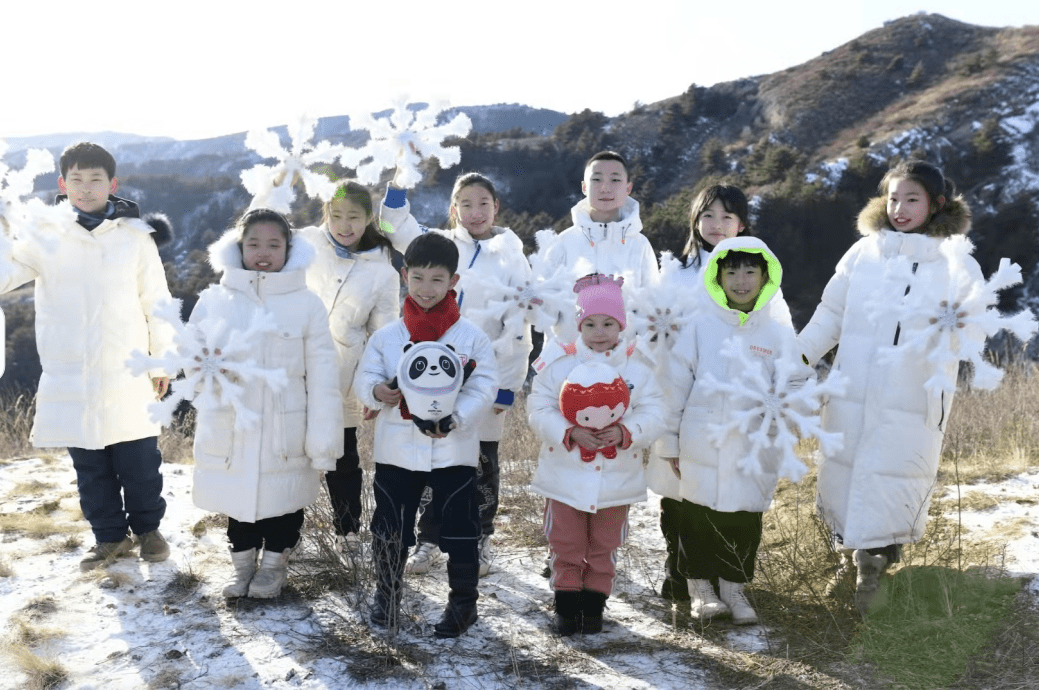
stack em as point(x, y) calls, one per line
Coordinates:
point(950, 324)
point(271, 185)
point(773, 411)
point(214, 360)
point(17, 184)
point(402, 140)
point(664, 310)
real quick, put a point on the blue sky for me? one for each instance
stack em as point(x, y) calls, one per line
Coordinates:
point(195, 69)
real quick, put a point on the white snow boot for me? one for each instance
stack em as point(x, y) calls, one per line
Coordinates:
point(868, 580)
point(244, 563)
point(736, 599)
point(703, 602)
point(422, 560)
point(271, 577)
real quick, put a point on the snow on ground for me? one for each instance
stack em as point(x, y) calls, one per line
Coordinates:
point(133, 630)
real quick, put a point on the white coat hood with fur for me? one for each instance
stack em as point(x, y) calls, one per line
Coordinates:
point(272, 469)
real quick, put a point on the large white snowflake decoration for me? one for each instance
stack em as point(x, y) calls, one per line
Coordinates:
point(401, 140)
point(665, 309)
point(272, 185)
point(501, 315)
point(17, 184)
point(945, 324)
point(773, 410)
point(215, 362)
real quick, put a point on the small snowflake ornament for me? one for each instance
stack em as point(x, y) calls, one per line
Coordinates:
point(214, 360)
point(271, 185)
point(772, 410)
point(950, 323)
point(401, 140)
point(665, 310)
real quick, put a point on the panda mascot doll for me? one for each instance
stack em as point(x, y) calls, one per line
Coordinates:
point(429, 375)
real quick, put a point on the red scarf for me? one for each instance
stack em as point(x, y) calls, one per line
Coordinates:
point(428, 325)
point(433, 324)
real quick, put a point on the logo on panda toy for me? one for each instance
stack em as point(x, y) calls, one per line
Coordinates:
point(430, 374)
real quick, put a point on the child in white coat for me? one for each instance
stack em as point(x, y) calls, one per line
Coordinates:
point(353, 276)
point(875, 492)
point(717, 213)
point(586, 515)
point(263, 477)
point(721, 509)
point(491, 251)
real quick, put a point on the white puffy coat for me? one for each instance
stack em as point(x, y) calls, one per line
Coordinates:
point(502, 257)
point(603, 483)
point(617, 248)
point(361, 294)
point(876, 491)
point(659, 475)
point(273, 469)
point(397, 440)
point(709, 474)
point(95, 292)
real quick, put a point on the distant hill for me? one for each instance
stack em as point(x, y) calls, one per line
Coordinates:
point(809, 144)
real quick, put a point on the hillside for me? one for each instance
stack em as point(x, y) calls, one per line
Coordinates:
point(809, 143)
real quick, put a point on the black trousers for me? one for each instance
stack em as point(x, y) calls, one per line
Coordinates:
point(453, 506)
point(273, 534)
point(344, 486)
point(716, 545)
point(488, 485)
point(120, 487)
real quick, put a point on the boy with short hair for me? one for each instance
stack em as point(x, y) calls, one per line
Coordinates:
point(606, 236)
point(95, 291)
point(722, 507)
point(411, 453)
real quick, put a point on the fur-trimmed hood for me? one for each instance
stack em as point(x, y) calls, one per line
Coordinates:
point(953, 219)
point(225, 253)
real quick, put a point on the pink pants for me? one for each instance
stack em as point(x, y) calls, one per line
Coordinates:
point(584, 546)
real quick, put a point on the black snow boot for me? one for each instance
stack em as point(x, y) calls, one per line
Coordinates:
point(568, 612)
point(389, 585)
point(460, 613)
point(592, 604)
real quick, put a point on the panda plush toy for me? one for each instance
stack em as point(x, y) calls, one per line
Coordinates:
point(429, 375)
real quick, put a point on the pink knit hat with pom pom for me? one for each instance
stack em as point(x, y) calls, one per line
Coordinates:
point(600, 294)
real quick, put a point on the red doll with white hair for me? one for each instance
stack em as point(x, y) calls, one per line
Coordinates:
point(596, 409)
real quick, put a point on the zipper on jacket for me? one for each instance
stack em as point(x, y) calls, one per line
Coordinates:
point(461, 293)
point(898, 327)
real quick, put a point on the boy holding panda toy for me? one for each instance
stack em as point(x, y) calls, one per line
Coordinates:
point(432, 376)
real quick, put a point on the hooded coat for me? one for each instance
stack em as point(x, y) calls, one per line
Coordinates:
point(618, 248)
point(94, 295)
point(272, 469)
point(361, 294)
point(877, 490)
point(709, 473)
point(603, 483)
point(500, 256)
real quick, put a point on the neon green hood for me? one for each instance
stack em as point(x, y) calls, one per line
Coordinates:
point(750, 245)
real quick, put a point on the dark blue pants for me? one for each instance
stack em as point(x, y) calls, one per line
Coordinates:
point(488, 482)
point(344, 486)
point(453, 507)
point(120, 487)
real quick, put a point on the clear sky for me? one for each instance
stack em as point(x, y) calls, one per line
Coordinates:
point(194, 68)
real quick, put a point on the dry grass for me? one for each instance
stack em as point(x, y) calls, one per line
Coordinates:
point(16, 424)
point(5, 569)
point(38, 525)
point(40, 673)
point(176, 440)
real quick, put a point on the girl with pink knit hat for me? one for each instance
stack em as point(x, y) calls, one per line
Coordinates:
point(595, 409)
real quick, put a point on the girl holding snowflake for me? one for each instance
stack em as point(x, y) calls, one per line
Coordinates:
point(717, 213)
point(720, 514)
point(353, 276)
point(495, 253)
point(875, 493)
point(586, 512)
point(263, 477)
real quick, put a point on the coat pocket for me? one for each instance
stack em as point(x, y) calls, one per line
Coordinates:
point(214, 435)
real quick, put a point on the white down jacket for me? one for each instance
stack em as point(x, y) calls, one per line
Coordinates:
point(602, 483)
point(361, 294)
point(876, 491)
point(709, 473)
point(501, 257)
point(618, 248)
point(94, 294)
point(397, 440)
point(273, 469)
